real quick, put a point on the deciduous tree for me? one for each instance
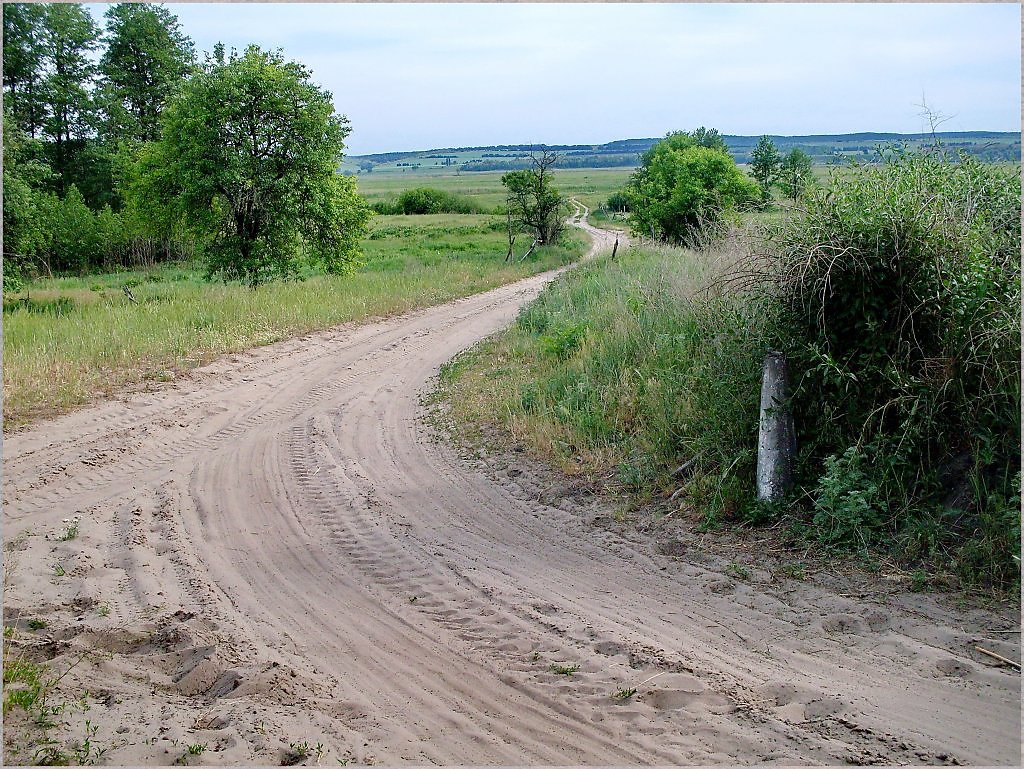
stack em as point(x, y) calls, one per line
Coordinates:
point(70, 35)
point(24, 26)
point(795, 173)
point(682, 185)
point(247, 161)
point(533, 202)
point(765, 163)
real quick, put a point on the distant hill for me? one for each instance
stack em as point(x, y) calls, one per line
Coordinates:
point(824, 149)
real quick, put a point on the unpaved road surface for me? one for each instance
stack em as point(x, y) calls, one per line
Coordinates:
point(278, 549)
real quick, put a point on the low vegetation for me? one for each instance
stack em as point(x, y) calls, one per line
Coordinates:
point(70, 339)
point(895, 294)
point(625, 366)
point(430, 200)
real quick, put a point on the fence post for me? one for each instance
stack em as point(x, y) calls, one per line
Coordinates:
point(776, 440)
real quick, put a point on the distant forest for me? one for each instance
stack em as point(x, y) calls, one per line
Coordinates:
point(824, 149)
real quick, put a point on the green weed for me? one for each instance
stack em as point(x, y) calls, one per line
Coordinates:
point(738, 571)
point(795, 571)
point(70, 529)
point(564, 670)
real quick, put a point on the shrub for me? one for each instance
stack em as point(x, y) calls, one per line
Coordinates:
point(428, 200)
point(618, 201)
point(682, 187)
point(75, 242)
point(897, 295)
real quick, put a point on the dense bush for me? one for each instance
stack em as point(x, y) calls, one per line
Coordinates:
point(618, 201)
point(898, 300)
point(428, 200)
point(686, 183)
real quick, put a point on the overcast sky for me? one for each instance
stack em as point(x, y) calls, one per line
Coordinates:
point(421, 76)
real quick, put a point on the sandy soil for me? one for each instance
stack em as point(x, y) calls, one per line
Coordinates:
point(279, 549)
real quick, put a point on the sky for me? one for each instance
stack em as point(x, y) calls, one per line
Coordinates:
point(423, 76)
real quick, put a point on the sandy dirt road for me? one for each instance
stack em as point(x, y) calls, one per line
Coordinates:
point(278, 549)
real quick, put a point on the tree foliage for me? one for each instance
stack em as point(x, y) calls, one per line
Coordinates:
point(684, 183)
point(247, 162)
point(765, 164)
point(795, 173)
point(146, 57)
point(70, 35)
point(24, 174)
point(24, 25)
point(533, 202)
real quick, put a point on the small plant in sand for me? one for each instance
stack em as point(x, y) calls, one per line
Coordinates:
point(623, 693)
point(564, 670)
point(70, 528)
point(738, 571)
point(793, 571)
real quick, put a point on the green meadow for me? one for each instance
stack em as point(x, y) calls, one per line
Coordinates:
point(68, 340)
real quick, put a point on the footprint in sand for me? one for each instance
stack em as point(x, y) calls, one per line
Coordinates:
point(678, 692)
point(842, 623)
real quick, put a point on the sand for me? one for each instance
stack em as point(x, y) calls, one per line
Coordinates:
point(279, 549)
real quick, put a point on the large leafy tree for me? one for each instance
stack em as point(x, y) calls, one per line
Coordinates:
point(533, 202)
point(146, 57)
point(682, 185)
point(795, 173)
point(710, 138)
point(765, 163)
point(247, 160)
point(24, 26)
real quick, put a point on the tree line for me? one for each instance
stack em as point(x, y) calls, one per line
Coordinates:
point(145, 153)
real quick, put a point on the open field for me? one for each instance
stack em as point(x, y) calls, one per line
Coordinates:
point(69, 340)
point(591, 186)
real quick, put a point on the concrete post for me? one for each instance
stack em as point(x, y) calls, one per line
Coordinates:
point(776, 440)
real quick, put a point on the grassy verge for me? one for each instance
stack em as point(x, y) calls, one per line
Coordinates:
point(617, 372)
point(894, 293)
point(69, 340)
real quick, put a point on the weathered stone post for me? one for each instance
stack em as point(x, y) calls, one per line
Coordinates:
point(776, 440)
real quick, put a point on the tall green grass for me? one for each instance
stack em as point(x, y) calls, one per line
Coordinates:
point(628, 368)
point(69, 340)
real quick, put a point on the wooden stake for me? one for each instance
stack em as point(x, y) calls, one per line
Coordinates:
point(999, 657)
